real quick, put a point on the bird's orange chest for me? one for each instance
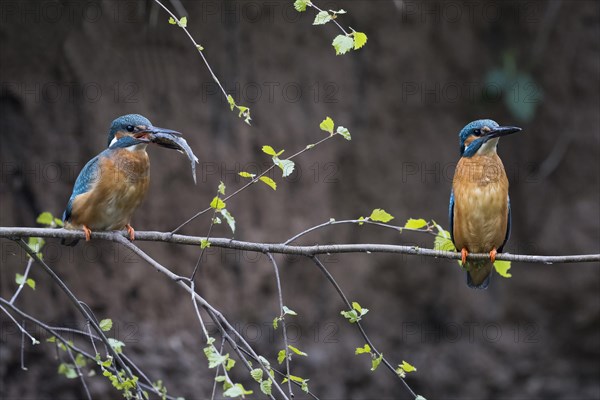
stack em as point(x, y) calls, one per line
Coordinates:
point(120, 187)
point(480, 188)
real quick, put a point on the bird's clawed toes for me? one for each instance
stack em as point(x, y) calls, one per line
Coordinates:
point(87, 232)
point(464, 254)
point(131, 232)
point(493, 255)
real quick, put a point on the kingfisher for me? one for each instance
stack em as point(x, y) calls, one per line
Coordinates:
point(479, 208)
point(112, 185)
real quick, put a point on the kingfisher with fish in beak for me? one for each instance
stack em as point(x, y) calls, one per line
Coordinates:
point(480, 217)
point(112, 185)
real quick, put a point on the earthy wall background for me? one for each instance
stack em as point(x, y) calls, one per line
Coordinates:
point(67, 69)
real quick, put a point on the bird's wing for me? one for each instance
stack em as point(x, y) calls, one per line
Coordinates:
point(508, 226)
point(451, 215)
point(83, 184)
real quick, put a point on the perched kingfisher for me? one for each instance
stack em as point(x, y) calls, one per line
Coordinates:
point(113, 184)
point(479, 203)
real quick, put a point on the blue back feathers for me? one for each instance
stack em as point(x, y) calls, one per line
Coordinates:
point(125, 121)
point(468, 131)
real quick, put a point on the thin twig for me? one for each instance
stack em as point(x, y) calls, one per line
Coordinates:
point(359, 325)
point(25, 275)
point(309, 251)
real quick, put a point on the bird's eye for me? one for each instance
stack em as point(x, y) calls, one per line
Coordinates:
point(477, 132)
point(130, 128)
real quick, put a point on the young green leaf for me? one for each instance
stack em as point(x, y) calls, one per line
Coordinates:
point(183, 22)
point(45, 218)
point(280, 356)
point(287, 311)
point(345, 133)
point(287, 166)
point(236, 390)
point(502, 268)
point(117, 345)
point(245, 174)
point(376, 361)
point(204, 243)
point(300, 5)
point(106, 324)
point(322, 17)
point(269, 150)
point(229, 364)
point(362, 350)
point(214, 357)
point(68, 370)
point(275, 322)
point(217, 203)
point(342, 44)
point(221, 188)
point(406, 367)
point(265, 386)
point(257, 374)
point(230, 100)
point(380, 215)
point(297, 351)
point(360, 39)
point(327, 125)
point(268, 181)
point(229, 218)
point(415, 223)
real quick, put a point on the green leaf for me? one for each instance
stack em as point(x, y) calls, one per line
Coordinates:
point(287, 311)
point(68, 370)
point(257, 374)
point(199, 47)
point(214, 357)
point(376, 361)
point(236, 390)
point(221, 188)
point(116, 344)
point(345, 133)
point(327, 125)
point(362, 350)
point(287, 166)
point(183, 22)
point(80, 360)
point(45, 218)
point(268, 181)
point(204, 243)
point(300, 5)
point(36, 244)
point(217, 203)
point(229, 219)
point(360, 39)
point(342, 44)
point(322, 17)
point(216, 220)
point(280, 356)
point(51, 339)
point(245, 174)
point(502, 268)
point(406, 367)
point(172, 21)
point(380, 215)
point(269, 150)
point(31, 283)
point(19, 279)
point(356, 306)
point(106, 324)
point(229, 364)
point(231, 102)
point(360, 221)
point(275, 322)
point(297, 351)
point(415, 223)
point(265, 386)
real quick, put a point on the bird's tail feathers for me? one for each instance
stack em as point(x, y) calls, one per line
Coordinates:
point(479, 273)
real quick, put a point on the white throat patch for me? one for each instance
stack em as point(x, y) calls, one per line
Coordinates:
point(488, 147)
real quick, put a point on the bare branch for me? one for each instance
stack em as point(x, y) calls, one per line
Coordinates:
point(308, 251)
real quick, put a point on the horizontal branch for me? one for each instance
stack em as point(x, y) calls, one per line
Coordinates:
point(308, 251)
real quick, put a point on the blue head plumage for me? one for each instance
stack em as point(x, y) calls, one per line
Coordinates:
point(128, 125)
point(477, 133)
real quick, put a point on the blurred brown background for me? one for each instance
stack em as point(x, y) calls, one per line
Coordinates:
point(68, 69)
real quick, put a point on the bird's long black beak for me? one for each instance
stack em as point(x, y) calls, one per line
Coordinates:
point(156, 129)
point(502, 131)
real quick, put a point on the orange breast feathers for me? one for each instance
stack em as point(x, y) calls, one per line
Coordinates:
point(118, 190)
point(480, 191)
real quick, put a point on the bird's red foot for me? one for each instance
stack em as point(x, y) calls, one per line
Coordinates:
point(87, 232)
point(131, 232)
point(493, 255)
point(464, 254)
